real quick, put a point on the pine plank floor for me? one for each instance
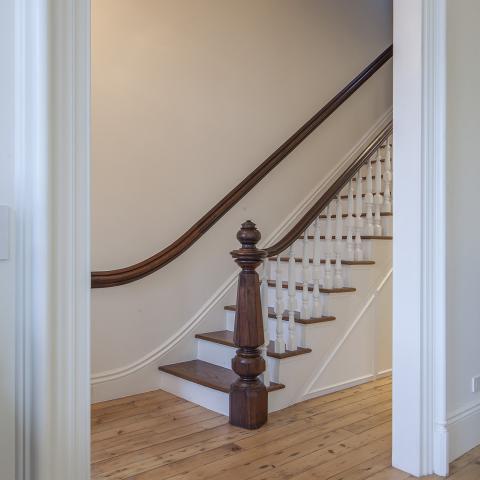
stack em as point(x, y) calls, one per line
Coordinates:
point(342, 436)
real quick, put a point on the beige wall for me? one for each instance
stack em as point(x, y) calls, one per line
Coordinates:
point(463, 231)
point(189, 97)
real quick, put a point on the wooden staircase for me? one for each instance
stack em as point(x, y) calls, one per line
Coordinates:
point(311, 268)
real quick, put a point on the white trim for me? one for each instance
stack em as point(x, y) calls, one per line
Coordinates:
point(433, 248)
point(420, 440)
point(348, 384)
point(308, 392)
point(155, 355)
point(53, 262)
point(463, 430)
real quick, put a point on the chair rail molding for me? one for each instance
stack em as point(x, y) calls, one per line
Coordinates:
point(52, 77)
point(420, 435)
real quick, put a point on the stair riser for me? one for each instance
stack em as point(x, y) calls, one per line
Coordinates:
point(272, 325)
point(222, 355)
point(298, 246)
point(346, 272)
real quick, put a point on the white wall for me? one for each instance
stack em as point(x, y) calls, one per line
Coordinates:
point(188, 97)
point(7, 277)
point(463, 230)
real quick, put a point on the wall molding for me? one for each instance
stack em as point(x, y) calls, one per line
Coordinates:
point(354, 382)
point(155, 355)
point(463, 430)
point(308, 392)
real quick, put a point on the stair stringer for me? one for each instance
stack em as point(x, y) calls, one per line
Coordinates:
point(329, 367)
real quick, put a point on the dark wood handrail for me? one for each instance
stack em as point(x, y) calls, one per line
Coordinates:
point(121, 276)
point(329, 195)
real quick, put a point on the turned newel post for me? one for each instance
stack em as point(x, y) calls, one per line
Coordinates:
point(248, 395)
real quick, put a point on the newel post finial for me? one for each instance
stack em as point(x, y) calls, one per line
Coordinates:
point(248, 395)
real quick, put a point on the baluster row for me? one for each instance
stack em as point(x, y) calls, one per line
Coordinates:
point(312, 276)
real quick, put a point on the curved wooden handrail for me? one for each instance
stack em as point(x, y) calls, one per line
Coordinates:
point(329, 195)
point(121, 276)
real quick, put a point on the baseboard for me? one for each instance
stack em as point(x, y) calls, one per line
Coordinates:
point(463, 429)
point(348, 384)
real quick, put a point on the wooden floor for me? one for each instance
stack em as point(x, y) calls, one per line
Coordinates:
point(342, 436)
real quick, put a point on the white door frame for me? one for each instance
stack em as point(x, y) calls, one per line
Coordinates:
point(52, 243)
point(420, 439)
point(52, 141)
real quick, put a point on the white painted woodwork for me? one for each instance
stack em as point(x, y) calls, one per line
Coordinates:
point(387, 178)
point(369, 230)
point(279, 308)
point(350, 253)
point(316, 271)
point(338, 280)
point(266, 333)
point(305, 312)
point(292, 301)
point(378, 199)
point(358, 218)
point(328, 276)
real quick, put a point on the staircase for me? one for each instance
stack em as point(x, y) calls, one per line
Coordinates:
point(313, 283)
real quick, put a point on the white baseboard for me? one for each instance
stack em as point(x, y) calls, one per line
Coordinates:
point(348, 384)
point(463, 429)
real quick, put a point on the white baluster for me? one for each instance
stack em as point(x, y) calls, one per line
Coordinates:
point(305, 276)
point(292, 301)
point(378, 195)
point(338, 245)
point(350, 224)
point(369, 199)
point(328, 279)
point(387, 176)
point(316, 272)
point(266, 333)
point(358, 219)
point(279, 308)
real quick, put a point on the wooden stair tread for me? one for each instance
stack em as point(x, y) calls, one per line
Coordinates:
point(345, 197)
point(302, 321)
point(344, 237)
point(299, 286)
point(208, 375)
point(365, 178)
point(225, 337)
point(345, 215)
point(332, 261)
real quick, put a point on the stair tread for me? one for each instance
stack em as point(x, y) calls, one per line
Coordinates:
point(345, 197)
point(299, 286)
point(302, 321)
point(208, 375)
point(345, 215)
point(225, 337)
point(363, 237)
point(332, 261)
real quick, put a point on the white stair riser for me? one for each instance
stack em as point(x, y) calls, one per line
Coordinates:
point(346, 272)
point(272, 325)
point(222, 355)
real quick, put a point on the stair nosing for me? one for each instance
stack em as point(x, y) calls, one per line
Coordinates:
point(209, 337)
point(332, 261)
point(299, 286)
point(301, 321)
point(172, 369)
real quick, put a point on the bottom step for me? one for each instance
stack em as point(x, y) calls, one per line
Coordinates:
point(208, 375)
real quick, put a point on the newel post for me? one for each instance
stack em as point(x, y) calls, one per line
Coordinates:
point(248, 395)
